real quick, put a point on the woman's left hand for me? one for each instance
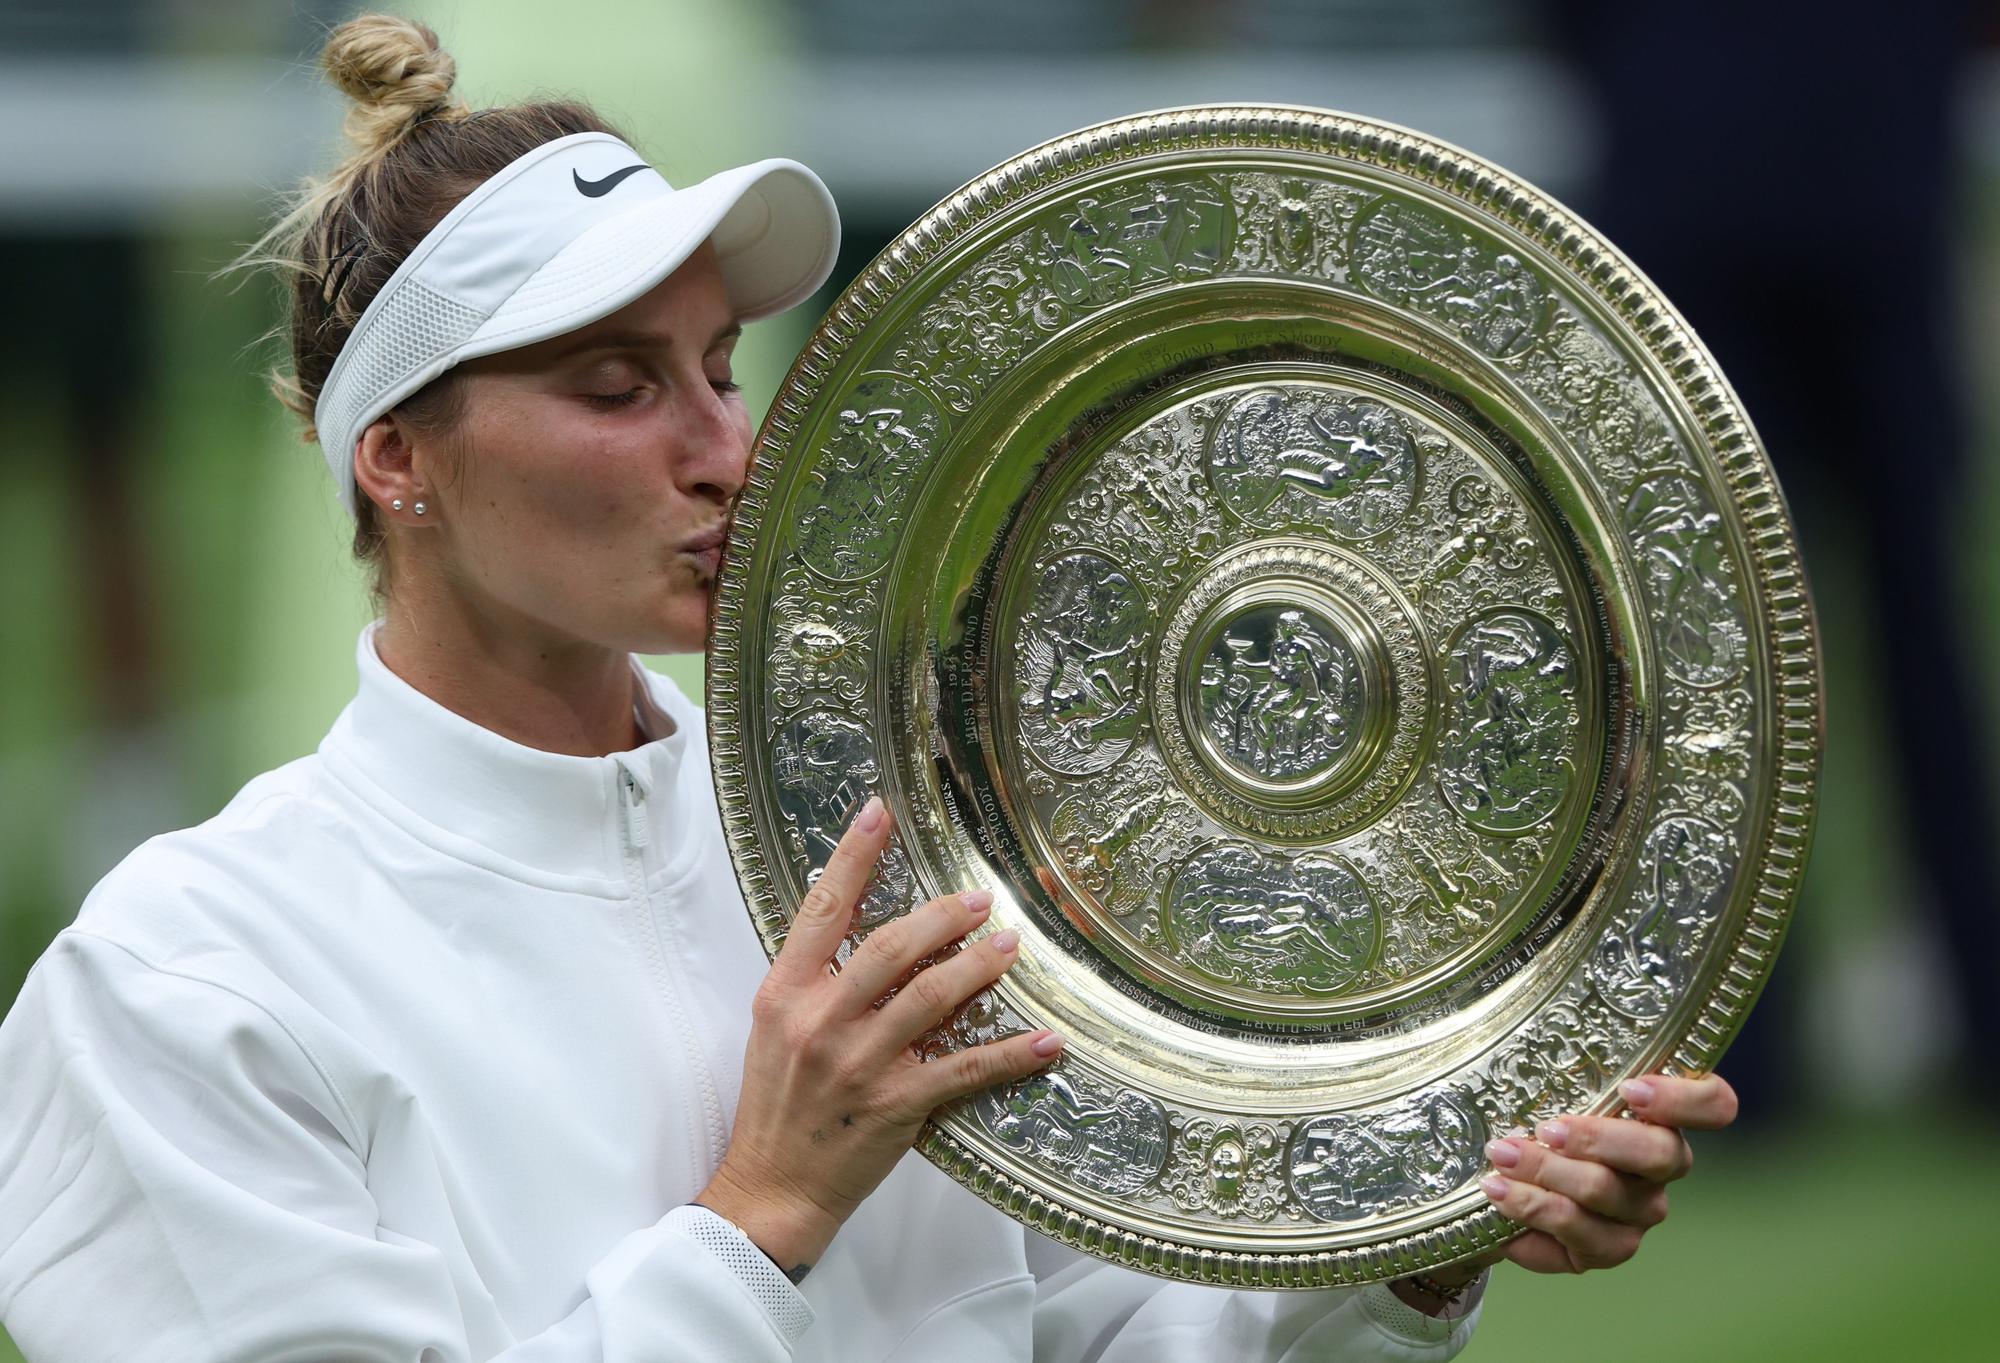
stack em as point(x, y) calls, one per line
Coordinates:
point(1587, 1188)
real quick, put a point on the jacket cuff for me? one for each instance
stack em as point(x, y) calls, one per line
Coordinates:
point(782, 1303)
point(1407, 1325)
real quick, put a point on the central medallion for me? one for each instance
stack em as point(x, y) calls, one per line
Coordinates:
point(1290, 690)
point(1279, 692)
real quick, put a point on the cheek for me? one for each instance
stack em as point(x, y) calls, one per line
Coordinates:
point(581, 480)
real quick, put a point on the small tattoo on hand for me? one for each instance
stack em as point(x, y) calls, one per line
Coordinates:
point(846, 1119)
point(818, 1136)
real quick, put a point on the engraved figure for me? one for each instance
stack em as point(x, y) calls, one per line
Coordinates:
point(1683, 868)
point(1689, 579)
point(1504, 759)
point(980, 324)
point(1410, 254)
point(1293, 224)
point(1106, 249)
point(866, 474)
point(1351, 1167)
point(1287, 454)
point(1226, 1168)
point(1078, 664)
point(1486, 533)
point(1280, 693)
point(1120, 837)
point(1104, 1138)
point(825, 769)
point(1308, 925)
point(1561, 1063)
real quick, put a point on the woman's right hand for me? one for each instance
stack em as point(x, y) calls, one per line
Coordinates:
point(833, 1095)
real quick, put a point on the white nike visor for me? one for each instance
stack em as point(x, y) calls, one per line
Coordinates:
point(569, 233)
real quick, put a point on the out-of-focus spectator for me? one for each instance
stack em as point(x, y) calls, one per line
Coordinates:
point(1788, 174)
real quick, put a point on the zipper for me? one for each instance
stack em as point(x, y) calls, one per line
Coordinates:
point(633, 792)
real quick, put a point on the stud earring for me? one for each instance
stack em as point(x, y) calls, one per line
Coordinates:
point(396, 505)
point(418, 508)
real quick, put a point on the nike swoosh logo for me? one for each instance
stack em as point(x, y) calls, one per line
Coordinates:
point(597, 189)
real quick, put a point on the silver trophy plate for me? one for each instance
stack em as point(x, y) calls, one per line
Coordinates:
point(1340, 611)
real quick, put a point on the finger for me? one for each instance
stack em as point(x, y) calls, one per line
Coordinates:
point(1592, 1186)
point(977, 1068)
point(1592, 1241)
point(894, 949)
point(821, 923)
point(936, 992)
point(1540, 1252)
point(1658, 1154)
point(1706, 1103)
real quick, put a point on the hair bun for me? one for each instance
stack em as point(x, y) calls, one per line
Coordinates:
point(394, 71)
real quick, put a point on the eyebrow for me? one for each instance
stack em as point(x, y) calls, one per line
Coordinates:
point(639, 340)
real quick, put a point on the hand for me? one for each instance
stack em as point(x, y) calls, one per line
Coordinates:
point(1587, 1188)
point(832, 1095)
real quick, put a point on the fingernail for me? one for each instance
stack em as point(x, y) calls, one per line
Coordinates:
point(1638, 1092)
point(871, 815)
point(977, 901)
point(1506, 1154)
point(1006, 940)
point(1494, 1187)
point(1047, 1044)
point(1552, 1134)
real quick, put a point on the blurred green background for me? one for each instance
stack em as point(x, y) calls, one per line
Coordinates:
point(179, 610)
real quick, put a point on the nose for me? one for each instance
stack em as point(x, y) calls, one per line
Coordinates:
point(714, 463)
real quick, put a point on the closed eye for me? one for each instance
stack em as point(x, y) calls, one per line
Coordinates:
point(611, 401)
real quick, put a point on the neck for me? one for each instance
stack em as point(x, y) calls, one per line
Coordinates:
point(557, 695)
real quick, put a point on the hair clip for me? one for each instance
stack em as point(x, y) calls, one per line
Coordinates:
point(345, 260)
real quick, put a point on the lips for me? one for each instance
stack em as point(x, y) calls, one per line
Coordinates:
point(707, 549)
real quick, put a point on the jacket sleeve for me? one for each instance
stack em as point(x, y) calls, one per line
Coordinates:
point(180, 1180)
point(1089, 1311)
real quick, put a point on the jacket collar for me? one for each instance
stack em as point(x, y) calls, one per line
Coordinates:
point(524, 809)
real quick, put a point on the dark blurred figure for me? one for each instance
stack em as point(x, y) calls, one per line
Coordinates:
point(1787, 172)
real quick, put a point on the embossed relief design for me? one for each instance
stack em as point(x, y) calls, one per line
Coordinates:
point(817, 644)
point(1414, 256)
point(1230, 1169)
point(1297, 455)
point(1689, 579)
point(1121, 834)
point(1644, 964)
point(868, 470)
point(824, 768)
point(1286, 926)
point(1560, 1062)
point(1483, 555)
point(1105, 248)
point(1280, 693)
point(1293, 224)
point(1504, 757)
point(1145, 503)
point(1605, 408)
point(1079, 662)
point(982, 1018)
point(1349, 1167)
point(1080, 256)
point(1099, 1135)
point(1442, 884)
point(1706, 753)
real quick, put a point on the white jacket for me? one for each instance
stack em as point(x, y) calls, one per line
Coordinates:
point(417, 1051)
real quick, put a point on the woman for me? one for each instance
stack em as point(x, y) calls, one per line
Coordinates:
point(452, 1041)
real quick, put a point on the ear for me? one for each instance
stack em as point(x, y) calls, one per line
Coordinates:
point(386, 469)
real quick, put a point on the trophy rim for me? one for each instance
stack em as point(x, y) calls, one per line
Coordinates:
point(1782, 613)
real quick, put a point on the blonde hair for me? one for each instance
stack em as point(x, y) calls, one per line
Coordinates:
point(415, 150)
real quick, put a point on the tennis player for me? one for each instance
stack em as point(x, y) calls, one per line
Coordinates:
point(452, 1041)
